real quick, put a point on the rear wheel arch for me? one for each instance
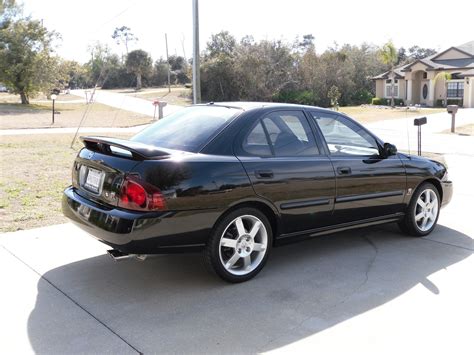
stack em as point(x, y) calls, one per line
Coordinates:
point(263, 207)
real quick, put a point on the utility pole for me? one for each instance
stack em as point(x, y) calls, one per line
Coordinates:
point(196, 66)
point(168, 61)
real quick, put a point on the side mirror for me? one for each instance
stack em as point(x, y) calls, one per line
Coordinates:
point(388, 150)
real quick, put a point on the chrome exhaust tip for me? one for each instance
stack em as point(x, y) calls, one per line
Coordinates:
point(117, 255)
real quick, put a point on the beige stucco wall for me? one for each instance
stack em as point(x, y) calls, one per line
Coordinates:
point(440, 90)
point(452, 54)
point(468, 100)
point(402, 88)
point(379, 87)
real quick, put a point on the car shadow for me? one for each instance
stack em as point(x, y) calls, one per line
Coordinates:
point(171, 304)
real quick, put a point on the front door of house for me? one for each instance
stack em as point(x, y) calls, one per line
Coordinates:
point(424, 91)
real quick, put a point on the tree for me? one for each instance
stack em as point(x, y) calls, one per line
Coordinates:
point(27, 64)
point(388, 55)
point(417, 52)
point(307, 43)
point(139, 63)
point(334, 95)
point(221, 43)
point(124, 35)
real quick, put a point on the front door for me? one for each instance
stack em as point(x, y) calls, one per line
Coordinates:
point(424, 91)
point(367, 185)
point(287, 168)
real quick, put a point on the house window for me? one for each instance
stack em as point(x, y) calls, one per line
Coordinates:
point(388, 88)
point(425, 75)
point(455, 89)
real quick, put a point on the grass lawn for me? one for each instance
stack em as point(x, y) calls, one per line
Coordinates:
point(368, 114)
point(179, 95)
point(38, 114)
point(31, 184)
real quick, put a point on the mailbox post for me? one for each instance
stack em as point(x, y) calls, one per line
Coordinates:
point(453, 109)
point(419, 122)
point(159, 105)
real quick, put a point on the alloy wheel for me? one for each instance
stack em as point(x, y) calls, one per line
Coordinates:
point(426, 210)
point(243, 245)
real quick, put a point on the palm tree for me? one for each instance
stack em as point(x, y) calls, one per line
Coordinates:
point(445, 76)
point(389, 56)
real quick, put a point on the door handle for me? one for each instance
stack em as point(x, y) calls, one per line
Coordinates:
point(264, 174)
point(344, 170)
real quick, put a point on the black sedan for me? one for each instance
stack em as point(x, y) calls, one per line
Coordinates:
point(235, 179)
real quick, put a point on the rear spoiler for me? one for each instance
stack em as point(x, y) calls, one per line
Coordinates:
point(138, 151)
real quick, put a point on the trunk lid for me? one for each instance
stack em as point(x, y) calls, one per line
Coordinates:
point(102, 165)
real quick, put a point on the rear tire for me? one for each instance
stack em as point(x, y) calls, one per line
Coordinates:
point(239, 245)
point(422, 212)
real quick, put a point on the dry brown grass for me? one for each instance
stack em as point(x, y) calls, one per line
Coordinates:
point(35, 169)
point(38, 115)
point(368, 114)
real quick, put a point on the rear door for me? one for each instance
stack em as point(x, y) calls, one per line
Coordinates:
point(367, 185)
point(285, 165)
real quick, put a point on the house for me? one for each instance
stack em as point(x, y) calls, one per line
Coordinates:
point(414, 83)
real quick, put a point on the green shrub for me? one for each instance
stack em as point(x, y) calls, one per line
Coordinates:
point(302, 97)
point(387, 101)
point(439, 103)
point(377, 101)
point(361, 96)
point(455, 102)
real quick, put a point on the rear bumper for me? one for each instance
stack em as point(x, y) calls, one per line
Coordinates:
point(139, 232)
point(447, 192)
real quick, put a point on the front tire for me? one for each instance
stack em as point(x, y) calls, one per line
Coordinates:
point(239, 245)
point(422, 212)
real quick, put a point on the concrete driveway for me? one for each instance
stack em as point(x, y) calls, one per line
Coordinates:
point(368, 291)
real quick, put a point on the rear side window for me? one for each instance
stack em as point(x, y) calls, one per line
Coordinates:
point(290, 134)
point(282, 134)
point(256, 142)
point(189, 129)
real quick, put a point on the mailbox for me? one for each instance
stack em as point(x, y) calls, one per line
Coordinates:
point(159, 105)
point(420, 121)
point(452, 109)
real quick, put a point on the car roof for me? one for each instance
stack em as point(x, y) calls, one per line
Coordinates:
point(249, 105)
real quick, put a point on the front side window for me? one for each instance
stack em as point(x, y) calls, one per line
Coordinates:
point(188, 129)
point(344, 137)
point(456, 89)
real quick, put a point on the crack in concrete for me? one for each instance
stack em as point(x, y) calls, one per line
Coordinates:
point(73, 300)
point(364, 236)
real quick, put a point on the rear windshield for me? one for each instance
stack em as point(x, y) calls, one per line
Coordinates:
point(188, 129)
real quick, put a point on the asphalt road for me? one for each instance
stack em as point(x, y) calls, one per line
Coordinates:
point(370, 291)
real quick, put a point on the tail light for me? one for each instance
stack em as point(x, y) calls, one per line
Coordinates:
point(140, 196)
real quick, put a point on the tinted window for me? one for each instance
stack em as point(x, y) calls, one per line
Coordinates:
point(343, 137)
point(290, 134)
point(188, 129)
point(256, 142)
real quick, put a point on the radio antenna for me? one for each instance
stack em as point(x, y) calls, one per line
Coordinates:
point(408, 130)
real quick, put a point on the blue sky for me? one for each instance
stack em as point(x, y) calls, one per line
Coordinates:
point(81, 23)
